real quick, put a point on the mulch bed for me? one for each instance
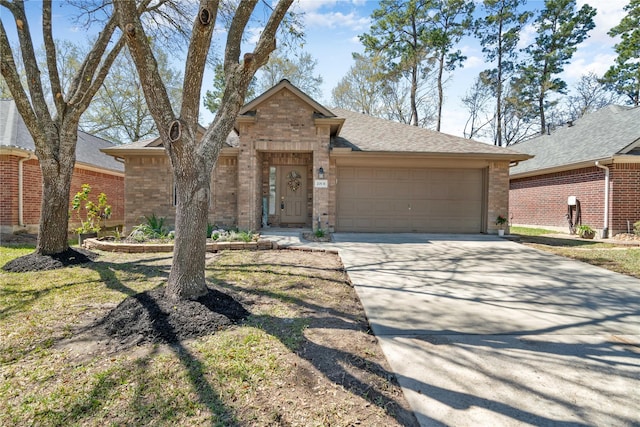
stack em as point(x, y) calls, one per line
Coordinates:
point(38, 262)
point(149, 317)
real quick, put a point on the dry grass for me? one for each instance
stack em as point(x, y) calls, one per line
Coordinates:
point(304, 357)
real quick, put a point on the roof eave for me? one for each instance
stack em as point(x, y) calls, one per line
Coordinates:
point(121, 152)
point(342, 151)
point(562, 168)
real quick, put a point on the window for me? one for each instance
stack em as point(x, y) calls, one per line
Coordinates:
point(272, 190)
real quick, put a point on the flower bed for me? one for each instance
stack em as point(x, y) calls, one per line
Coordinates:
point(112, 246)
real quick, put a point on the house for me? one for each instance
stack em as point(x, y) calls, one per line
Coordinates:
point(291, 162)
point(594, 160)
point(21, 180)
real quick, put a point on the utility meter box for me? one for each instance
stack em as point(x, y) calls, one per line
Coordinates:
point(572, 200)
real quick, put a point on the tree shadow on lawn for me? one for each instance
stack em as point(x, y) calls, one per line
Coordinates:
point(148, 317)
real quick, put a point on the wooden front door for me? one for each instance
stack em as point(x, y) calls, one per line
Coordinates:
point(292, 194)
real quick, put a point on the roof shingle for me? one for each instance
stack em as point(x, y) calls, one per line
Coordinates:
point(607, 132)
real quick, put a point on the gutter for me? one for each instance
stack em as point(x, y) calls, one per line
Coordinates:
point(605, 228)
point(21, 189)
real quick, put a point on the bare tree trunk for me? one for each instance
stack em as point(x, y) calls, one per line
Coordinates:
point(186, 280)
point(440, 91)
point(54, 211)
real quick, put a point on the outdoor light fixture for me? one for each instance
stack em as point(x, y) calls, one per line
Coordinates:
point(321, 173)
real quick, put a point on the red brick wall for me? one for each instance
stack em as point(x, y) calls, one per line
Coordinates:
point(625, 195)
point(112, 186)
point(542, 200)
point(8, 190)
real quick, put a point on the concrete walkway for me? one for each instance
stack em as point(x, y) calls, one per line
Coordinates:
point(483, 331)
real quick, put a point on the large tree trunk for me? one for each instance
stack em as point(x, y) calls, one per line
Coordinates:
point(186, 280)
point(57, 159)
point(54, 210)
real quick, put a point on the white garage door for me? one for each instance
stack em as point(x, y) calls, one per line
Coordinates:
point(410, 200)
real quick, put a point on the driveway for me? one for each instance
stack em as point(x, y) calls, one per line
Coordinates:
point(483, 331)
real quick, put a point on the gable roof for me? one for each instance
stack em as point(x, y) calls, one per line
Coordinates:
point(282, 85)
point(15, 135)
point(362, 132)
point(611, 131)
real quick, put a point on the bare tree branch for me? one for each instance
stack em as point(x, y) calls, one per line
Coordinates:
point(50, 52)
point(11, 76)
point(203, 27)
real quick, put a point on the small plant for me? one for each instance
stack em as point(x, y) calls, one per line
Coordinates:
point(233, 235)
point(210, 229)
point(156, 224)
point(636, 228)
point(586, 232)
point(320, 233)
point(94, 212)
point(501, 221)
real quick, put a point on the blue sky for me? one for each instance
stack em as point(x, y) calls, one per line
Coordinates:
point(332, 27)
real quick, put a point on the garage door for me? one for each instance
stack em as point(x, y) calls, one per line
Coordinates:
point(410, 200)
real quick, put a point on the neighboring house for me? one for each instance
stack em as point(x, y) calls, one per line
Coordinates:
point(21, 179)
point(291, 162)
point(599, 152)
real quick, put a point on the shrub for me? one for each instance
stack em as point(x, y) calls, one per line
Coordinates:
point(94, 212)
point(586, 231)
point(636, 228)
point(320, 232)
point(156, 224)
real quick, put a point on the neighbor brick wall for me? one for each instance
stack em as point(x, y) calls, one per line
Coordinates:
point(625, 195)
point(8, 190)
point(111, 185)
point(542, 200)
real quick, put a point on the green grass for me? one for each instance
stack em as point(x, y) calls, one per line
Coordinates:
point(230, 378)
point(526, 231)
point(625, 260)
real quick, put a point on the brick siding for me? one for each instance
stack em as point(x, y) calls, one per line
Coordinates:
point(149, 190)
point(542, 200)
point(111, 185)
point(625, 195)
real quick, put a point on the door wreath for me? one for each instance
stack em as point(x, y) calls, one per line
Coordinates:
point(294, 180)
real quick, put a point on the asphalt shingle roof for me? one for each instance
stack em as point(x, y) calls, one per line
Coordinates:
point(362, 132)
point(14, 134)
point(609, 131)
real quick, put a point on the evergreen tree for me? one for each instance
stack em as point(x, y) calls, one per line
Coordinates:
point(624, 76)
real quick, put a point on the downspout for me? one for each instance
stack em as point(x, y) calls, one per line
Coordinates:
point(21, 189)
point(605, 228)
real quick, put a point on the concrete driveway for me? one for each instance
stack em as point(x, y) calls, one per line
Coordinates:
point(483, 331)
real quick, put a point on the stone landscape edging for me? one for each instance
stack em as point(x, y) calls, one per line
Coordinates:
point(168, 247)
point(260, 245)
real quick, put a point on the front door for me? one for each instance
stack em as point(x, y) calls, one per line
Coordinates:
point(293, 194)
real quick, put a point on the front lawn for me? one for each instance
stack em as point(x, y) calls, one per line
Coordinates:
point(619, 258)
point(303, 357)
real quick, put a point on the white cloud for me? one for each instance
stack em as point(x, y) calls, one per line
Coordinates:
point(581, 65)
point(609, 13)
point(527, 36)
point(336, 20)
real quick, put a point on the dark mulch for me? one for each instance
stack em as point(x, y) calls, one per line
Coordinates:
point(38, 262)
point(150, 317)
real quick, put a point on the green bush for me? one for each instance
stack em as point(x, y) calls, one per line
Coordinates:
point(156, 224)
point(636, 228)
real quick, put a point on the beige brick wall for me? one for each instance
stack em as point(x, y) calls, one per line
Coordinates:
point(284, 133)
point(498, 194)
point(149, 190)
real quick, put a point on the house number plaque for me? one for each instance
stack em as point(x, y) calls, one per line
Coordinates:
point(321, 183)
